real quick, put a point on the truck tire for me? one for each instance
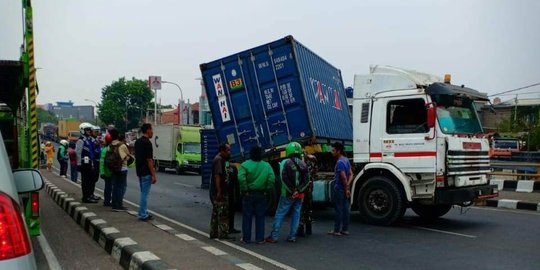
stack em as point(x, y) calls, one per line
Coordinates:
point(159, 168)
point(430, 212)
point(381, 201)
point(179, 170)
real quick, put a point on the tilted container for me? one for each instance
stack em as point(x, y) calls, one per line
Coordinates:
point(273, 94)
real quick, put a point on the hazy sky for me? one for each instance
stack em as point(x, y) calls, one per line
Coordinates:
point(83, 45)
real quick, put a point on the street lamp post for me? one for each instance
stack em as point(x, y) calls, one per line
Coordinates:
point(181, 99)
point(95, 106)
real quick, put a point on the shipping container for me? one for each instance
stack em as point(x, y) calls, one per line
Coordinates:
point(66, 126)
point(273, 94)
point(209, 149)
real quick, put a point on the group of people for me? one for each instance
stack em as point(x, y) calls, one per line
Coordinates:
point(256, 181)
point(110, 160)
point(107, 158)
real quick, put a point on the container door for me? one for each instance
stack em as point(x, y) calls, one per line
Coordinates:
point(236, 120)
point(279, 96)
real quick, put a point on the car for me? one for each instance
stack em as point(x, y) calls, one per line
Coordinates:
point(15, 245)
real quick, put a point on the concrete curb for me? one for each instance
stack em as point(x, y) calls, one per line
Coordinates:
point(513, 204)
point(124, 250)
point(517, 185)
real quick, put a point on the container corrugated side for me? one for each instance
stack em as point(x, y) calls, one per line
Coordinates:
point(209, 149)
point(273, 94)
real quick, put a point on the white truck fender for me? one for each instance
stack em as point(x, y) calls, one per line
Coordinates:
point(395, 171)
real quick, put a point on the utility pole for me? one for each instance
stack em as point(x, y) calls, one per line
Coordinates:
point(28, 58)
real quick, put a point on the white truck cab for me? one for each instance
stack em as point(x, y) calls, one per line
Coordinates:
point(418, 143)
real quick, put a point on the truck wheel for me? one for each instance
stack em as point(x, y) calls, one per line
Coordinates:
point(179, 170)
point(159, 168)
point(380, 201)
point(430, 212)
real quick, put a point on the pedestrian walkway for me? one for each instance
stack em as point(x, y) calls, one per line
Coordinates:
point(137, 244)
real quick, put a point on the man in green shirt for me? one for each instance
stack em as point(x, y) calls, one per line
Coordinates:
point(256, 179)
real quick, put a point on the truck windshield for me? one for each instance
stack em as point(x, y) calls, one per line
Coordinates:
point(192, 148)
point(456, 115)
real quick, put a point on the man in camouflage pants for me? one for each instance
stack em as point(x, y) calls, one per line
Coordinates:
point(306, 216)
point(219, 223)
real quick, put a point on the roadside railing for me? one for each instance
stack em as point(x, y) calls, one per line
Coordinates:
point(519, 170)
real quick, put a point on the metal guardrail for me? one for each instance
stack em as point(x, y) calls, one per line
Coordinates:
point(524, 170)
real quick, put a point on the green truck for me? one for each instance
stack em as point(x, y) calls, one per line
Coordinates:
point(177, 147)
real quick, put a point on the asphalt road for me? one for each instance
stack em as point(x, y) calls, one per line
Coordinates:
point(68, 245)
point(480, 238)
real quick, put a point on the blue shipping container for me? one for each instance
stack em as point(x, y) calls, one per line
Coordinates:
point(273, 94)
point(209, 149)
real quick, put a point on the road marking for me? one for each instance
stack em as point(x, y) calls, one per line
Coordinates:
point(52, 261)
point(215, 251)
point(445, 232)
point(513, 211)
point(237, 247)
point(185, 237)
point(164, 227)
point(182, 184)
point(248, 266)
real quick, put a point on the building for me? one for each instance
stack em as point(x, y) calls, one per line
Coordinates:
point(170, 116)
point(492, 116)
point(66, 110)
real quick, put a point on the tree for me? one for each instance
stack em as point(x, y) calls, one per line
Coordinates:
point(526, 125)
point(123, 103)
point(44, 116)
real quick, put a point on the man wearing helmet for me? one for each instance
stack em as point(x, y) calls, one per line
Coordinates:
point(85, 162)
point(294, 181)
point(62, 157)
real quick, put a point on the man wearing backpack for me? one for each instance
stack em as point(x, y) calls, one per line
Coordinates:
point(294, 181)
point(116, 161)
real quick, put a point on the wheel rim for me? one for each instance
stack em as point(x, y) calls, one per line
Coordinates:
point(378, 201)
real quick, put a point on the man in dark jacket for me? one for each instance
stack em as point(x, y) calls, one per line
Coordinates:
point(294, 181)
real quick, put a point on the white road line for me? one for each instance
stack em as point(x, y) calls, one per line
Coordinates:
point(182, 184)
point(248, 266)
point(215, 251)
point(185, 237)
point(52, 261)
point(445, 232)
point(513, 211)
point(237, 247)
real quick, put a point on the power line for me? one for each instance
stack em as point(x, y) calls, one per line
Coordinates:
point(517, 89)
point(526, 93)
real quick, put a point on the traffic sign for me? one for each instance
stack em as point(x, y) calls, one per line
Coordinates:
point(154, 82)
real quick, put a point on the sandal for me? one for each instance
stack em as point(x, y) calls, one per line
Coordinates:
point(345, 233)
point(334, 233)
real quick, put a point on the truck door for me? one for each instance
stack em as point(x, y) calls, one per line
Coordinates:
point(405, 141)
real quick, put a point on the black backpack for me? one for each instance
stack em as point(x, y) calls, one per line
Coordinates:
point(112, 160)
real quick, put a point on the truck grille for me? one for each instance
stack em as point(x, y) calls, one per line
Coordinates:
point(467, 162)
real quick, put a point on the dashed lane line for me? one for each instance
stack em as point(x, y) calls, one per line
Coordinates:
point(445, 232)
point(237, 247)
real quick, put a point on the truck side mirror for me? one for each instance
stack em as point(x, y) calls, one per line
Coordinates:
point(431, 114)
point(27, 180)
